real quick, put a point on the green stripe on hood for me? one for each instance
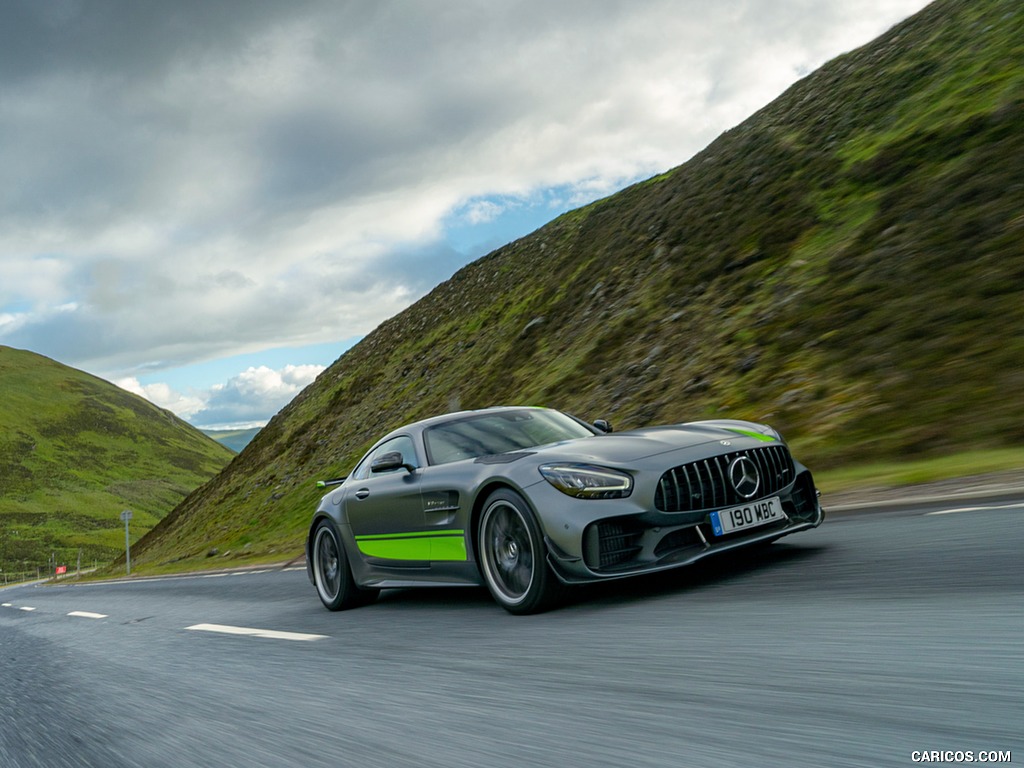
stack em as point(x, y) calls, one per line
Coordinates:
point(755, 435)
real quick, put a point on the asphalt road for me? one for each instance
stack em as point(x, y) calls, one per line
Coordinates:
point(861, 643)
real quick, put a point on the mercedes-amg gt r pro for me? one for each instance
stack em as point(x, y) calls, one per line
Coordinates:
point(526, 500)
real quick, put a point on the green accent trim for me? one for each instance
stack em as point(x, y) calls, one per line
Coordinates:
point(448, 548)
point(409, 535)
point(755, 435)
point(415, 545)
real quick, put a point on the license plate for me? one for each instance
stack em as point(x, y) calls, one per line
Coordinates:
point(748, 516)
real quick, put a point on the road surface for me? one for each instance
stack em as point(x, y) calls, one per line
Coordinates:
point(863, 643)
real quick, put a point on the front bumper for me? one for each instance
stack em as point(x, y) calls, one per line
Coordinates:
point(627, 545)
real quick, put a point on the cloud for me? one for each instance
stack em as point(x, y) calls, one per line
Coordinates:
point(482, 211)
point(253, 394)
point(163, 396)
point(191, 180)
point(247, 399)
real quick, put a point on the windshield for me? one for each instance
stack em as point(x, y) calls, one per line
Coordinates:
point(491, 433)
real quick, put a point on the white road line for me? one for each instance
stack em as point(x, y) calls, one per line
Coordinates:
point(26, 608)
point(972, 509)
point(268, 633)
point(88, 615)
point(6, 605)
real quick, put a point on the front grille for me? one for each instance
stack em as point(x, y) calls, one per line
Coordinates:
point(705, 484)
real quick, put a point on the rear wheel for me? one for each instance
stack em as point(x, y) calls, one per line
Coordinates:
point(332, 573)
point(513, 557)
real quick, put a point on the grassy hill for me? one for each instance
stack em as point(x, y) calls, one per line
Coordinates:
point(74, 452)
point(847, 265)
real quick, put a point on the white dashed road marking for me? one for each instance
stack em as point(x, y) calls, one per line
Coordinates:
point(268, 633)
point(223, 629)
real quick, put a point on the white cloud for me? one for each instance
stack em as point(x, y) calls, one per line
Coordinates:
point(163, 396)
point(247, 399)
point(482, 211)
point(253, 395)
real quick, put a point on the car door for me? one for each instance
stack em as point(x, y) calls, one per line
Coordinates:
point(385, 508)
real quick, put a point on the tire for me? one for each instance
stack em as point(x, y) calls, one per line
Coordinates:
point(513, 557)
point(332, 573)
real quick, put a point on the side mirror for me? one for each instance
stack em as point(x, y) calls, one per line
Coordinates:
point(603, 426)
point(390, 461)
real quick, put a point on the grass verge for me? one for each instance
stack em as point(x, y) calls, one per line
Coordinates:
point(895, 475)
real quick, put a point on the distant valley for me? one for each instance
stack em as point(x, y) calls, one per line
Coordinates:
point(235, 439)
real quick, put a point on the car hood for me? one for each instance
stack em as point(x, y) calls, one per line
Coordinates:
point(637, 444)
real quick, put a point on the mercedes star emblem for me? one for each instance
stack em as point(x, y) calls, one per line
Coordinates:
point(744, 477)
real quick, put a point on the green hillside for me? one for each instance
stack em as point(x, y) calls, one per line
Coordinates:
point(847, 265)
point(74, 452)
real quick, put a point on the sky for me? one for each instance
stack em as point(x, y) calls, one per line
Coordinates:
point(207, 202)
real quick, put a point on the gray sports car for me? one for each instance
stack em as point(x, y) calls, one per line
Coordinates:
point(526, 500)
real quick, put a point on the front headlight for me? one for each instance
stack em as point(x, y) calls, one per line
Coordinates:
point(588, 482)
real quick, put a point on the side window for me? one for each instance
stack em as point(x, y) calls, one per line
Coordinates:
point(362, 469)
point(402, 444)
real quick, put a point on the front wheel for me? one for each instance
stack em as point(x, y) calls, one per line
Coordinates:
point(513, 558)
point(332, 574)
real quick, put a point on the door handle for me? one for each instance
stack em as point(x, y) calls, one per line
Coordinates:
point(362, 493)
